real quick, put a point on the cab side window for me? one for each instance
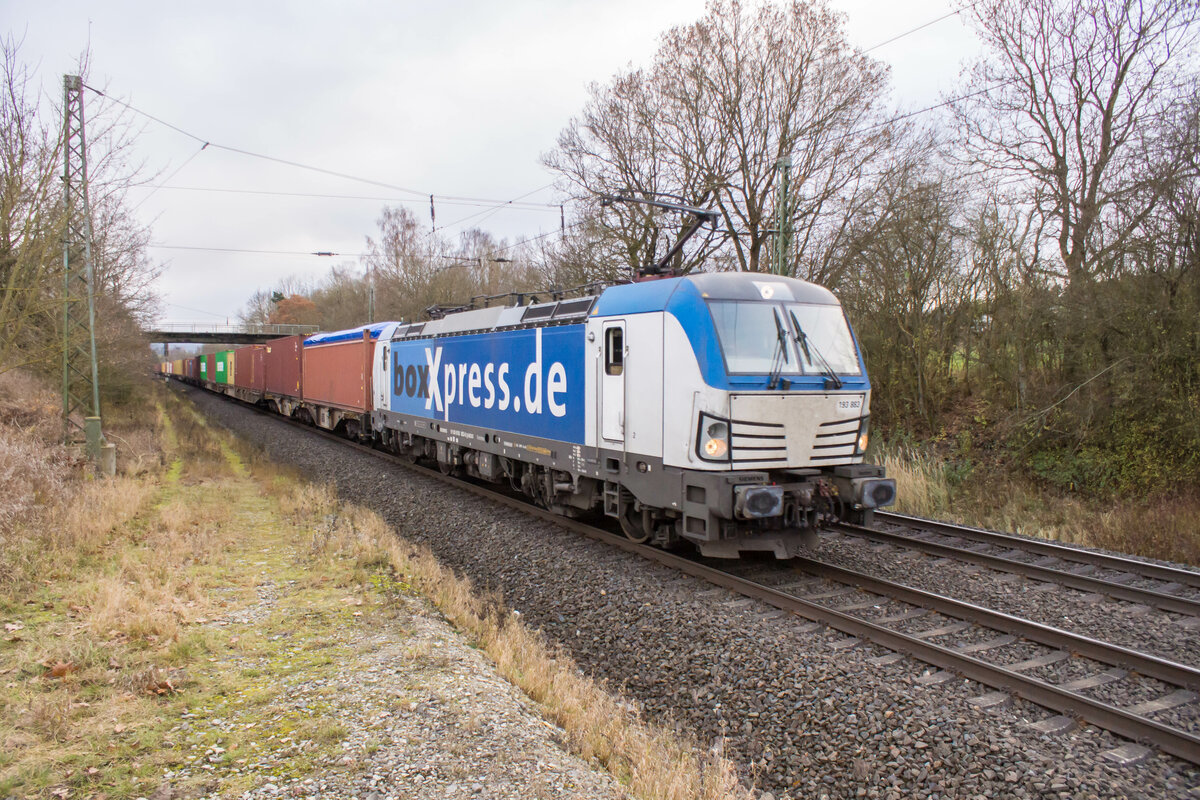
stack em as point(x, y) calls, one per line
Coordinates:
point(614, 351)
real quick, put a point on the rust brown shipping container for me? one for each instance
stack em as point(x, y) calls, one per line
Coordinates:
point(208, 368)
point(337, 367)
point(248, 369)
point(338, 374)
point(282, 366)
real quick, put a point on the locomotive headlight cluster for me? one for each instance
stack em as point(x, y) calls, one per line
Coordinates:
point(717, 443)
point(861, 443)
point(713, 441)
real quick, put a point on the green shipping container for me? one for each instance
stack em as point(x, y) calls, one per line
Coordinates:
point(224, 362)
point(203, 368)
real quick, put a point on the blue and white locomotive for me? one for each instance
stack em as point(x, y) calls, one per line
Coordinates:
point(728, 410)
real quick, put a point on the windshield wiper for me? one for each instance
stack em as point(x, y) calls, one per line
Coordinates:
point(811, 350)
point(781, 347)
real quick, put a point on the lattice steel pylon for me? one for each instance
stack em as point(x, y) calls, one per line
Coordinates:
point(81, 383)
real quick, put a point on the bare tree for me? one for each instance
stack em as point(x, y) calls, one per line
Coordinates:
point(400, 262)
point(725, 99)
point(30, 220)
point(909, 286)
point(31, 229)
point(1065, 101)
point(342, 297)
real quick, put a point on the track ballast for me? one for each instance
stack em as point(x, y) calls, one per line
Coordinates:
point(814, 609)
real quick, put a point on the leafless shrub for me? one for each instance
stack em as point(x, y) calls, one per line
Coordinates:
point(33, 474)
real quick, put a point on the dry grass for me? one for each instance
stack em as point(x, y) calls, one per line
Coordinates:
point(94, 600)
point(1162, 527)
point(653, 763)
point(105, 596)
point(921, 486)
point(33, 475)
point(28, 402)
point(35, 472)
point(53, 511)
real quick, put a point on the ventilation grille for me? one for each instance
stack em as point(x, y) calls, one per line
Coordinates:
point(836, 440)
point(757, 442)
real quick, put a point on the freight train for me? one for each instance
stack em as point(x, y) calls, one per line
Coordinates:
point(725, 410)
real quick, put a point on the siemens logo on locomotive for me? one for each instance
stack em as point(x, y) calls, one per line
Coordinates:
point(528, 381)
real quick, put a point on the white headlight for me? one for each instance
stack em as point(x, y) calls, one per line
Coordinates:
point(713, 438)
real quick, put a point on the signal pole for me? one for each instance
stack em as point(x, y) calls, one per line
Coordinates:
point(370, 295)
point(81, 381)
point(783, 218)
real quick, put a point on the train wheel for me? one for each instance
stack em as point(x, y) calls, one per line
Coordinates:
point(637, 526)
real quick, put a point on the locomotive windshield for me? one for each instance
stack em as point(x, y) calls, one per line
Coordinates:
point(817, 335)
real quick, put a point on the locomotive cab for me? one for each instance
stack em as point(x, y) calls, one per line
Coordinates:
point(752, 392)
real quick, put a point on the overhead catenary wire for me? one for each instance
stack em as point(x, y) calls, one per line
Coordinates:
point(287, 162)
point(320, 253)
point(490, 206)
point(448, 199)
point(177, 170)
point(490, 210)
point(921, 27)
point(486, 204)
point(499, 250)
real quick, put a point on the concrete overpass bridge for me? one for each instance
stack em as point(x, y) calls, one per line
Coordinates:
point(204, 333)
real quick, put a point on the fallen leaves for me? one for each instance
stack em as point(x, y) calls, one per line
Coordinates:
point(59, 669)
point(14, 626)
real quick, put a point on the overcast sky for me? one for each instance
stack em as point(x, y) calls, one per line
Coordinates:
point(452, 98)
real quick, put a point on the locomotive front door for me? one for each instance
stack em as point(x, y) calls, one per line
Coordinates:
point(612, 383)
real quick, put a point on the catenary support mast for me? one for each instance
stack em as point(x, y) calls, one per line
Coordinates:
point(780, 264)
point(81, 383)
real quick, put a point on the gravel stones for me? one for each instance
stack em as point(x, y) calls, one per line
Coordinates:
point(801, 717)
point(1127, 624)
point(419, 713)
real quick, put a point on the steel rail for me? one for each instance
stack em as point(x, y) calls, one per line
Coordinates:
point(1123, 723)
point(1158, 572)
point(1160, 600)
point(1168, 671)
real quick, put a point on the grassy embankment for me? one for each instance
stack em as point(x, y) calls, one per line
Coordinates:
point(928, 486)
point(133, 617)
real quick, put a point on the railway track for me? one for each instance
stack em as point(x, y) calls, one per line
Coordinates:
point(847, 609)
point(991, 647)
point(1172, 589)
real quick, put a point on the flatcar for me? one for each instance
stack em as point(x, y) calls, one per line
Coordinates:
point(725, 410)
